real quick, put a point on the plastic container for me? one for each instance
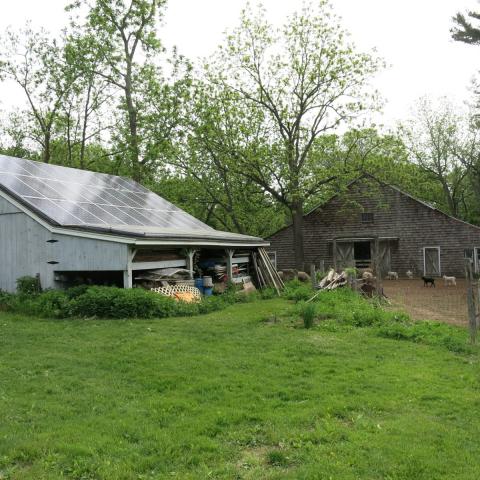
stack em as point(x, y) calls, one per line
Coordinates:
point(207, 282)
point(199, 284)
point(208, 291)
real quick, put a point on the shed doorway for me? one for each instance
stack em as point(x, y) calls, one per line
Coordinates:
point(431, 261)
point(362, 253)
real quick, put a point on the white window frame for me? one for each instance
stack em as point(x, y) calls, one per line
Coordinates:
point(274, 260)
point(439, 260)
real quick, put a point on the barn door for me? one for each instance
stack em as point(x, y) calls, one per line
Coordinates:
point(431, 261)
point(384, 258)
point(344, 255)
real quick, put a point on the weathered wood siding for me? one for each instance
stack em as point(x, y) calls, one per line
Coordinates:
point(395, 215)
point(25, 250)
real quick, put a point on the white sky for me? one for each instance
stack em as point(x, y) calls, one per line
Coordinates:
point(411, 35)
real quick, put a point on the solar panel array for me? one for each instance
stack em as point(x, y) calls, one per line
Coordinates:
point(71, 197)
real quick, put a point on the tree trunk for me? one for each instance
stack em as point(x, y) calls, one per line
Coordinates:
point(132, 123)
point(297, 216)
point(85, 124)
point(46, 148)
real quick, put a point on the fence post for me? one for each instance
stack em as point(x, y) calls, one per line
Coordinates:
point(471, 303)
point(313, 275)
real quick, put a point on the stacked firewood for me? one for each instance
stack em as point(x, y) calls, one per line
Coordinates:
point(333, 280)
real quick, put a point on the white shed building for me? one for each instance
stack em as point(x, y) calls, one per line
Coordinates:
point(58, 222)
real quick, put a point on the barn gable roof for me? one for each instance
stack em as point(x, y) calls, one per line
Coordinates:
point(105, 204)
point(393, 187)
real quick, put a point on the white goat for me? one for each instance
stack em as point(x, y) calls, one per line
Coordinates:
point(449, 280)
point(409, 274)
point(392, 275)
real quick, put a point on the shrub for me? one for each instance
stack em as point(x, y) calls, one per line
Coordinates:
point(75, 292)
point(308, 315)
point(6, 300)
point(111, 302)
point(28, 285)
point(298, 291)
point(53, 303)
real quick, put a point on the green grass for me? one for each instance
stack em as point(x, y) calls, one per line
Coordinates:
point(244, 393)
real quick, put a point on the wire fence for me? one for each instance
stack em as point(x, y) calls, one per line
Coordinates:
point(446, 303)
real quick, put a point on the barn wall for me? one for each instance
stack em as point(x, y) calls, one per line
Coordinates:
point(24, 250)
point(396, 215)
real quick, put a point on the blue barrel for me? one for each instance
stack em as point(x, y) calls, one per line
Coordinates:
point(208, 291)
point(199, 284)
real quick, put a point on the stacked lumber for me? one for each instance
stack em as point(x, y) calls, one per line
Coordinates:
point(265, 272)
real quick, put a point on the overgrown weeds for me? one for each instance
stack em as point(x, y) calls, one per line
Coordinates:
point(343, 308)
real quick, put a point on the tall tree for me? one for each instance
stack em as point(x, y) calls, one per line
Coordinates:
point(126, 39)
point(467, 28)
point(298, 83)
point(433, 139)
point(40, 66)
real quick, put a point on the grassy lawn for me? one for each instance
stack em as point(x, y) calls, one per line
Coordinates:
point(231, 396)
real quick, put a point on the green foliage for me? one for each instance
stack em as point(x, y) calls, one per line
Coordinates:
point(345, 308)
point(28, 285)
point(298, 291)
point(277, 458)
point(430, 333)
point(111, 302)
point(308, 314)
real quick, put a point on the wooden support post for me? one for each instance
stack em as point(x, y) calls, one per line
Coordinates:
point(334, 251)
point(229, 264)
point(127, 274)
point(378, 268)
point(313, 275)
point(127, 279)
point(190, 254)
point(472, 320)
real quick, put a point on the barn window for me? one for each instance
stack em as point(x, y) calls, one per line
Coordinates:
point(273, 258)
point(367, 217)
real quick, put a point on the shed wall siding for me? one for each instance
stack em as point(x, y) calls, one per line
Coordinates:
point(24, 250)
point(395, 215)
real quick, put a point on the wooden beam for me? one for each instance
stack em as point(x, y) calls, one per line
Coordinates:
point(159, 264)
point(190, 254)
point(334, 247)
point(229, 253)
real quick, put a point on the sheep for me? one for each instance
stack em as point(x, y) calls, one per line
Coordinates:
point(392, 275)
point(367, 277)
point(409, 274)
point(428, 281)
point(449, 280)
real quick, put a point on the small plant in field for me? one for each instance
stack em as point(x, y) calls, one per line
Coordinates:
point(277, 458)
point(308, 315)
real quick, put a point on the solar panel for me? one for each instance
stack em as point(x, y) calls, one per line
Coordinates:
point(71, 197)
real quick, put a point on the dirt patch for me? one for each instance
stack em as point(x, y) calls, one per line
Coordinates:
point(442, 303)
